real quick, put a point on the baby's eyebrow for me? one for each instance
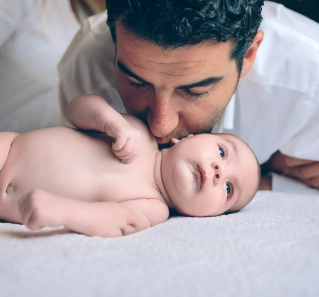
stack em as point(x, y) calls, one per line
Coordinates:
point(240, 190)
point(235, 149)
point(233, 145)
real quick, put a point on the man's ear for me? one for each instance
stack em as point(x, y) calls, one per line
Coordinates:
point(251, 53)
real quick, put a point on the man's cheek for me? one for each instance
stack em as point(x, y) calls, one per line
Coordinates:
point(134, 102)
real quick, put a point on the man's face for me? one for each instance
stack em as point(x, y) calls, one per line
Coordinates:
point(176, 91)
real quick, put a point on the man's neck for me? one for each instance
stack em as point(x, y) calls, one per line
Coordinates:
point(158, 177)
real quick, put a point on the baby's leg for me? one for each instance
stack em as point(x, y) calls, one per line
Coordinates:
point(6, 139)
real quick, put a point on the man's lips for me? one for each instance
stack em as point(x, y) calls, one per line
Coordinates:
point(203, 176)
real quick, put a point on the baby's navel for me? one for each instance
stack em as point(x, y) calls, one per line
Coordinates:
point(10, 189)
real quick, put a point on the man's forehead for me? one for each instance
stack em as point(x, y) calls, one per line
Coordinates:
point(186, 58)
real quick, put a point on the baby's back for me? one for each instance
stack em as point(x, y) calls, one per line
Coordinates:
point(78, 165)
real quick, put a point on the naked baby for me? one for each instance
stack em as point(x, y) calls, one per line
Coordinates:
point(117, 182)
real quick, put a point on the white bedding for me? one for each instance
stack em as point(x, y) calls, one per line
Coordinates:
point(271, 248)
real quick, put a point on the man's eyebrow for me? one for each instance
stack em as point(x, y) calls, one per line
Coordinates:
point(203, 83)
point(128, 72)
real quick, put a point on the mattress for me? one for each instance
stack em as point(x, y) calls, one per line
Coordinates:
point(270, 248)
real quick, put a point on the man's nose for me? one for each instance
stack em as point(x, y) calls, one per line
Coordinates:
point(163, 116)
point(218, 172)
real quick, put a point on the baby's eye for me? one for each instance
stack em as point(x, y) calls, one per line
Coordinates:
point(229, 190)
point(221, 152)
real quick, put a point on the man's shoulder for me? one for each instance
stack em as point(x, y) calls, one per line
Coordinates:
point(93, 42)
point(87, 67)
point(288, 57)
point(290, 21)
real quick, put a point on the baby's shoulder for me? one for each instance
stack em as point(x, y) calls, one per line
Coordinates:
point(134, 121)
point(146, 134)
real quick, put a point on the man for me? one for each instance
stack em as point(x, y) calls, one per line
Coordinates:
point(192, 66)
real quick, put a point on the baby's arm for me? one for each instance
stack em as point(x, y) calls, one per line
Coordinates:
point(6, 139)
point(92, 112)
point(106, 219)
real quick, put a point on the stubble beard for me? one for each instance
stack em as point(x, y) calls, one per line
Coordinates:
point(205, 127)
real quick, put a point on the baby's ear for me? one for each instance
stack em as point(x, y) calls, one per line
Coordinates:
point(174, 141)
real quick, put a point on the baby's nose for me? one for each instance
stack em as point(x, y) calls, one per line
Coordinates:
point(218, 171)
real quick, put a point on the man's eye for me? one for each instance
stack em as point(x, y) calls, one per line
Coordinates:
point(197, 95)
point(221, 152)
point(137, 86)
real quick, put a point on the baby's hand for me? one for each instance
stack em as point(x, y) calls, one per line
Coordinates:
point(39, 209)
point(127, 143)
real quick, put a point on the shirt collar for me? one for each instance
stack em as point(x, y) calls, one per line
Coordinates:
point(227, 119)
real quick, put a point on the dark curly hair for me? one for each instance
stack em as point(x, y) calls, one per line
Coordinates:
point(175, 23)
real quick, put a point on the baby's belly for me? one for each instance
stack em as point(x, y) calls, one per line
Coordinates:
point(64, 162)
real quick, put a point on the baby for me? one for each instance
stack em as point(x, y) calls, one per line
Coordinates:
point(118, 183)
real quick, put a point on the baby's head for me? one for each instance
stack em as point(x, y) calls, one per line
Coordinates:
point(210, 174)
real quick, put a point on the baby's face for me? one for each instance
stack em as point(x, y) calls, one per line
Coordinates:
point(209, 174)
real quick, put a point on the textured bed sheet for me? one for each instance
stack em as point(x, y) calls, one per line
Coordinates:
point(270, 248)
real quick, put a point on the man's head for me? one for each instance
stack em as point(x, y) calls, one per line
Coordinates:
point(210, 174)
point(178, 62)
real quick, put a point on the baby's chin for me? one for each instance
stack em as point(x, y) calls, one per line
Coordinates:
point(190, 212)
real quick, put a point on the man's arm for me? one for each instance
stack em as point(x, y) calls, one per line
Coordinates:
point(6, 139)
point(106, 219)
point(305, 170)
point(265, 183)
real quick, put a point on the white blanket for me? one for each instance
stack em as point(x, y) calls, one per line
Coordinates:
point(270, 248)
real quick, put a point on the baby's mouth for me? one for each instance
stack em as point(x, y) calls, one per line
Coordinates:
point(203, 176)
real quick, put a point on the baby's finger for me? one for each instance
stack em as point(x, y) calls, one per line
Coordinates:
point(25, 212)
point(129, 160)
point(22, 204)
point(132, 155)
point(33, 223)
point(127, 149)
point(22, 200)
point(119, 143)
point(136, 149)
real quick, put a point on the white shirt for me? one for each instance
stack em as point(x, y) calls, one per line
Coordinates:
point(276, 106)
point(34, 34)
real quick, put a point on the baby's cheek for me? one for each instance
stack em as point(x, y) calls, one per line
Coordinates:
point(213, 204)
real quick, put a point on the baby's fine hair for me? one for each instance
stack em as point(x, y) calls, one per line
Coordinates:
point(258, 183)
